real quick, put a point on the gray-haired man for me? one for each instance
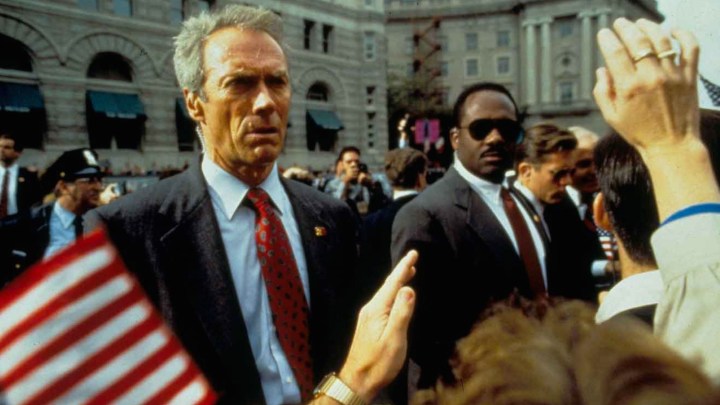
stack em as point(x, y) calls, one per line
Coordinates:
point(247, 268)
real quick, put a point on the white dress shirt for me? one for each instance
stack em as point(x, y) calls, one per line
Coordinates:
point(13, 171)
point(577, 200)
point(237, 229)
point(403, 193)
point(638, 290)
point(490, 194)
point(62, 230)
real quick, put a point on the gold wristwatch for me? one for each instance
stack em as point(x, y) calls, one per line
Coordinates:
point(334, 388)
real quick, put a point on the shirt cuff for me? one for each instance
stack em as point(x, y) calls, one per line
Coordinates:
point(598, 268)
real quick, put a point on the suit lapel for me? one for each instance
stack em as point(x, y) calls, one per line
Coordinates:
point(195, 247)
point(486, 226)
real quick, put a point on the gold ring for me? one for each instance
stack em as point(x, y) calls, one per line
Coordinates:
point(670, 53)
point(644, 54)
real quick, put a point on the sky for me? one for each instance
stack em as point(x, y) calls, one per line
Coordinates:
point(701, 18)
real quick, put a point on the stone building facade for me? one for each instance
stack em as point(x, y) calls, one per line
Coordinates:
point(544, 51)
point(102, 72)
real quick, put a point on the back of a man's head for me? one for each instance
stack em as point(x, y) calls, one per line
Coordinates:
point(404, 166)
point(628, 196)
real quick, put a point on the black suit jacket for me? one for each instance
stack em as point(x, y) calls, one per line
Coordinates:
point(28, 191)
point(375, 259)
point(169, 237)
point(23, 240)
point(466, 261)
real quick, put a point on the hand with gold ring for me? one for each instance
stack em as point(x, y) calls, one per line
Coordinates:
point(650, 101)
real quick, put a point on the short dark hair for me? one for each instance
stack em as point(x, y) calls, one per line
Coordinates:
point(403, 166)
point(544, 139)
point(7, 135)
point(475, 88)
point(347, 149)
point(628, 195)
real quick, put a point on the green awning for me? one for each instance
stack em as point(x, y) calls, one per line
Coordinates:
point(116, 105)
point(17, 97)
point(325, 119)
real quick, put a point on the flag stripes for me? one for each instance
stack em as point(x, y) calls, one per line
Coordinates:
point(79, 329)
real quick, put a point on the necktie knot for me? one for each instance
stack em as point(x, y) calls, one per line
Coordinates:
point(259, 199)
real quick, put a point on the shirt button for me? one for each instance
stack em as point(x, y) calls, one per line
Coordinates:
point(288, 380)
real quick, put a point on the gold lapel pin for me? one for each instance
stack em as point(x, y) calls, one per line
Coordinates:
point(320, 231)
point(21, 179)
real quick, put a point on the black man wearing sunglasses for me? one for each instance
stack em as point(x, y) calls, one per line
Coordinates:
point(463, 227)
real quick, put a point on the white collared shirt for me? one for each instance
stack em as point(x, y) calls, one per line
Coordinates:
point(62, 230)
point(490, 194)
point(577, 200)
point(638, 290)
point(13, 173)
point(237, 229)
point(403, 193)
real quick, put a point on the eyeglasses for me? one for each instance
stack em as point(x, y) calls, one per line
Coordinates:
point(510, 130)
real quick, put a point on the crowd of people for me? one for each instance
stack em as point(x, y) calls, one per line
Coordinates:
point(494, 291)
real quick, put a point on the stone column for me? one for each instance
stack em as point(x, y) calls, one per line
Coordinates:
point(587, 47)
point(531, 70)
point(546, 62)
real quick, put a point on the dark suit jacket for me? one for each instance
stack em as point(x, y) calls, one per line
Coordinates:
point(28, 192)
point(23, 240)
point(466, 261)
point(375, 260)
point(169, 237)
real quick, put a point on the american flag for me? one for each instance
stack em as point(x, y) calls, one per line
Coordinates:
point(79, 329)
point(608, 243)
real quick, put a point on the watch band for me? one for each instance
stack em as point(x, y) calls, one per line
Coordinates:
point(336, 389)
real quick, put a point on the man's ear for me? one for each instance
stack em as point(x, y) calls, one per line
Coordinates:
point(524, 170)
point(600, 214)
point(195, 106)
point(454, 137)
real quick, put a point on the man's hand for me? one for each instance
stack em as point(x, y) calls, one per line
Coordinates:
point(379, 346)
point(643, 93)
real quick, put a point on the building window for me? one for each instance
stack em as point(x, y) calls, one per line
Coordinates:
point(471, 41)
point(503, 39)
point(327, 38)
point(369, 45)
point(444, 68)
point(370, 92)
point(206, 5)
point(566, 92)
point(566, 27)
point(318, 92)
point(177, 11)
point(411, 69)
point(89, 5)
point(471, 67)
point(503, 65)
point(16, 56)
point(308, 34)
point(369, 3)
point(122, 7)
point(110, 66)
point(409, 46)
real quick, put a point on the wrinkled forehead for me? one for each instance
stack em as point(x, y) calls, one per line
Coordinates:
point(247, 46)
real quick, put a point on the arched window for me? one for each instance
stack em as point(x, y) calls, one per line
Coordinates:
point(318, 92)
point(110, 66)
point(15, 55)
point(113, 118)
point(22, 110)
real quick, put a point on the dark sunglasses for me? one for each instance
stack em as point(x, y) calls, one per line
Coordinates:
point(510, 130)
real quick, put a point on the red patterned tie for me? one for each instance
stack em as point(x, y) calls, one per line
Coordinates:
point(285, 290)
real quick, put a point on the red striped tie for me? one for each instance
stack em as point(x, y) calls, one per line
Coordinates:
point(285, 290)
